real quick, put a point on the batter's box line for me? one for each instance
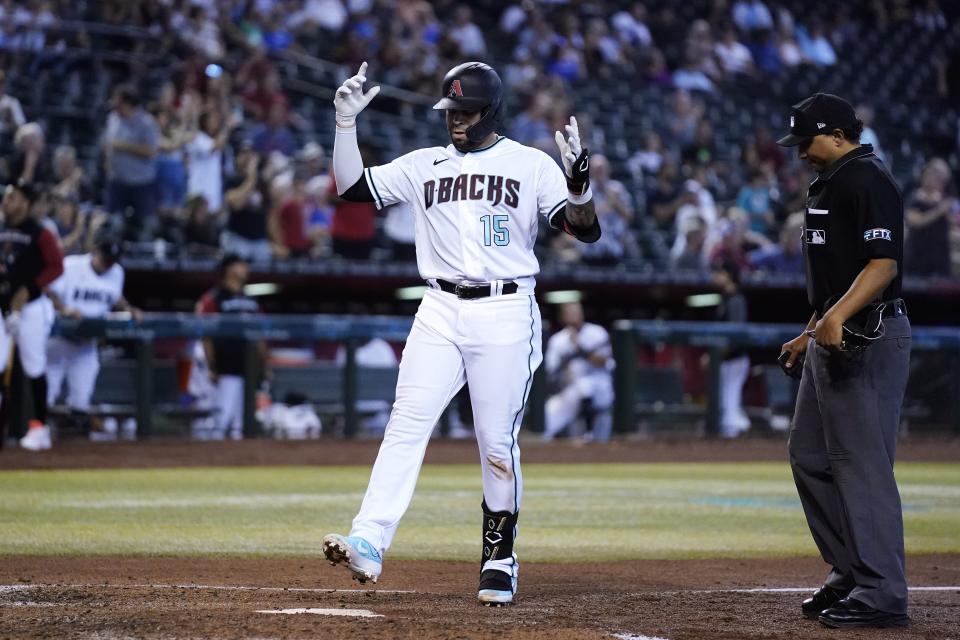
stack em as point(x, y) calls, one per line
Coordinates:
point(213, 587)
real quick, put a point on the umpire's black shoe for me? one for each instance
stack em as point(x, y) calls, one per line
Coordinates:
point(850, 613)
point(823, 598)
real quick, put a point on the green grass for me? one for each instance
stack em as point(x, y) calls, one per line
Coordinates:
point(624, 510)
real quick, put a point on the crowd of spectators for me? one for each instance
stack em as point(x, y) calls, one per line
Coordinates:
point(217, 158)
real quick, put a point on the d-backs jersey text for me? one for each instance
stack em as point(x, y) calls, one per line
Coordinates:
point(475, 213)
point(82, 289)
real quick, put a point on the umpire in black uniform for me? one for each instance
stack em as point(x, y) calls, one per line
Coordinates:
point(854, 359)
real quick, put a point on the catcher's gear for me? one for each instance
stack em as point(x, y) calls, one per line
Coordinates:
point(350, 99)
point(474, 86)
point(576, 159)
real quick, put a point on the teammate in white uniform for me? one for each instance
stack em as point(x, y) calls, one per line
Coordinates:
point(476, 205)
point(579, 364)
point(91, 286)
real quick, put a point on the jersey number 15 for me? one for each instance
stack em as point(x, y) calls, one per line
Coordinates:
point(495, 231)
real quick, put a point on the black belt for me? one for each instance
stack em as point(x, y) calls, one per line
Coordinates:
point(894, 308)
point(474, 291)
point(891, 309)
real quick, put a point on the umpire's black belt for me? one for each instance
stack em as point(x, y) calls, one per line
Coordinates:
point(889, 309)
point(479, 290)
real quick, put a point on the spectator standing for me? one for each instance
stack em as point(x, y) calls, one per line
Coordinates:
point(928, 219)
point(205, 159)
point(752, 15)
point(69, 179)
point(734, 56)
point(246, 206)
point(756, 198)
point(647, 160)
point(354, 226)
point(171, 171)
point(130, 146)
point(631, 27)
point(689, 255)
point(467, 35)
point(30, 162)
point(291, 219)
point(816, 47)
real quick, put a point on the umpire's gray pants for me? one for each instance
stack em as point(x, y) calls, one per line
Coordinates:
point(842, 446)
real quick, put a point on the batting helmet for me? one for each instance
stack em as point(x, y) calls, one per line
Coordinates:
point(474, 86)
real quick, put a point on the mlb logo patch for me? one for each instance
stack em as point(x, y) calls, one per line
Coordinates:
point(816, 236)
point(877, 234)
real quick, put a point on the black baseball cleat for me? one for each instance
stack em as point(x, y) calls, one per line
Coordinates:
point(496, 588)
point(823, 598)
point(850, 614)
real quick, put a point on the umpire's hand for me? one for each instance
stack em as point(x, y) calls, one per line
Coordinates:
point(791, 355)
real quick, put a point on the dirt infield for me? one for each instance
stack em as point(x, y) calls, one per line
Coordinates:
point(79, 454)
point(224, 597)
point(123, 597)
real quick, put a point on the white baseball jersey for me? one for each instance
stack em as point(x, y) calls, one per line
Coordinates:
point(81, 288)
point(592, 338)
point(475, 213)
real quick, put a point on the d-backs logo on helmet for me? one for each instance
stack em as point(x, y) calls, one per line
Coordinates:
point(474, 86)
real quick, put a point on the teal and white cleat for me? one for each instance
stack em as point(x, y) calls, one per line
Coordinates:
point(363, 561)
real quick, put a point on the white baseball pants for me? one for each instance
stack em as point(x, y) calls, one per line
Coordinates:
point(733, 374)
point(36, 321)
point(76, 362)
point(492, 343)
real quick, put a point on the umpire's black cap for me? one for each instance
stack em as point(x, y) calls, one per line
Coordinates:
point(820, 113)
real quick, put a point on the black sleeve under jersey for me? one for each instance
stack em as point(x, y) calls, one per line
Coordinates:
point(589, 234)
point(358, 192)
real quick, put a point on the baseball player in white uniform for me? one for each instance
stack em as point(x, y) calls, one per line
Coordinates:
point(476, 206)
point(579, 363)
point(91, 286)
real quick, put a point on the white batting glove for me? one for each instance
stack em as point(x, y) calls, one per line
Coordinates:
point(576, 159)
point(350, 99)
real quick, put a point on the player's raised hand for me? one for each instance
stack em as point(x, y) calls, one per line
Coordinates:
point(576, 159)
point(350, 99)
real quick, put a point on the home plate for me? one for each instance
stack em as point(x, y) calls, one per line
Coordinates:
point(350, 613)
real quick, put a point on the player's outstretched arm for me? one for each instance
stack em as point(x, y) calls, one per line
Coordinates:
point(349, 101)
point(580, 213)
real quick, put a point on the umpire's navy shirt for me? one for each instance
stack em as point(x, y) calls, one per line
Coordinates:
point(854, 214)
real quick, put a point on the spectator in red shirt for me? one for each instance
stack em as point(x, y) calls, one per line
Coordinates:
point(354, 226)
point(291, 222)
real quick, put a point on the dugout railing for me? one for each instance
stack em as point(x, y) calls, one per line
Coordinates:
point(716, 338)
point(352, 331)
